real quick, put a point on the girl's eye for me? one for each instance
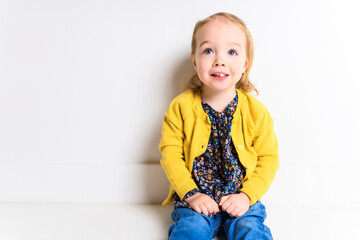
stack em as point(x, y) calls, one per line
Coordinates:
point(208, 51)
point(232, 53)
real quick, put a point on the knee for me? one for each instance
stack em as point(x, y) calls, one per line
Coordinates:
point(250, 228)
point(201, 227)
point(249, 223)
point(191, 227)
point(255, 217)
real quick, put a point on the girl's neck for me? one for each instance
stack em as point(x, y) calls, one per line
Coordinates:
point(218, 100)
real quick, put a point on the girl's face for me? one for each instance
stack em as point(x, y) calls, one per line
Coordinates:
point(220, 56)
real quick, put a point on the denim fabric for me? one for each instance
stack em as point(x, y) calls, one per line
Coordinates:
point(189, 224)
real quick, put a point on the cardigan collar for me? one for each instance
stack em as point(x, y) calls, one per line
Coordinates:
point(237, 113)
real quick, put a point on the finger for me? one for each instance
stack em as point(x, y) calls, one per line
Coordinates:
point(197, 209)
point(225, 205)
point(216, 208)
point(240, 213)
point(204, 210)
point(211, 210)
point(208, 207)
point(230, 208)
point(213, 206)
point(223, 199)
point(235, 212)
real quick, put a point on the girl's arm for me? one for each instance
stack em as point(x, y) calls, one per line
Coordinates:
point(172, 150)
point(266, 146)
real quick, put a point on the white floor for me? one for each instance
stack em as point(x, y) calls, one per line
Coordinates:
point(105, 221)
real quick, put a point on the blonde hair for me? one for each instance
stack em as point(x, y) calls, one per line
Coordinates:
point(244, 82)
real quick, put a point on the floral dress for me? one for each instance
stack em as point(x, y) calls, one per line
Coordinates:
point(217, 172)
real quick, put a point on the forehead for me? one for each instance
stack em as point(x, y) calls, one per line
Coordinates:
point(221, 30)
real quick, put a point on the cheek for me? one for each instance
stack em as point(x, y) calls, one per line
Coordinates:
point(203, 66)
point(243, 62)
point(239, 65)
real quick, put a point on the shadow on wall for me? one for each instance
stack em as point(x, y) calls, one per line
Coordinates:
point(157, 178)
point(179, 77)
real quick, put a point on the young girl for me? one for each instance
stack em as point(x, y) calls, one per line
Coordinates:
point(219, 149)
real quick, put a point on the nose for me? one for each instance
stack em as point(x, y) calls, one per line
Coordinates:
point(219, 62)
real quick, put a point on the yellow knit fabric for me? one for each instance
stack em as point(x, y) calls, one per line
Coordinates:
point(185, 134)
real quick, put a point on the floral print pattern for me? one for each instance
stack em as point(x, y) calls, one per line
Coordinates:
point(217, 172)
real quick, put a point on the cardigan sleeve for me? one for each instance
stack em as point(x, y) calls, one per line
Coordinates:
point(172, 150)
point(266, 146)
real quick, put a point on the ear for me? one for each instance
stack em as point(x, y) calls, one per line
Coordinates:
point(193, 60)
point(246, 63)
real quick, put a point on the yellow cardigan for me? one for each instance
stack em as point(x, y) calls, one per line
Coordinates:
point(186, 131)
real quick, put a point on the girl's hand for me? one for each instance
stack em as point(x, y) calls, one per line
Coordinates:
point(202, 203)
point(235, 205)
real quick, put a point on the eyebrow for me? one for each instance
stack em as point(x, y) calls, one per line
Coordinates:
point(232, 43)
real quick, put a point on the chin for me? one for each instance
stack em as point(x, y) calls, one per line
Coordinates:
point(222, 87)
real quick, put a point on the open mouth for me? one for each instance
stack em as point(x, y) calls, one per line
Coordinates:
point(219, 75)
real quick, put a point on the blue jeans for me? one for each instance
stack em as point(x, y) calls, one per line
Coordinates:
point(189, 224)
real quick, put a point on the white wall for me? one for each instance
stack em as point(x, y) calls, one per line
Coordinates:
point(84, 86)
